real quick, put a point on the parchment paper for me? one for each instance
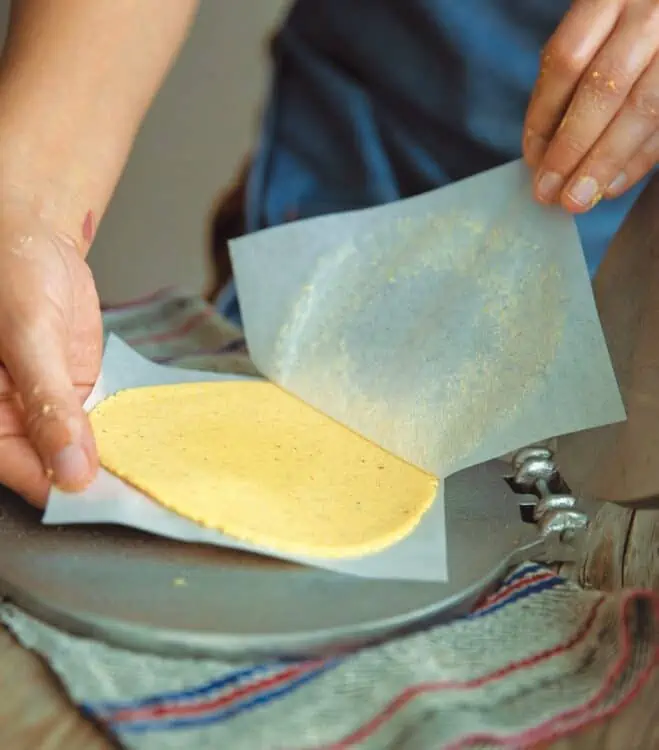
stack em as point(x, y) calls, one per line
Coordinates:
point(450, 328)
point(420, 557)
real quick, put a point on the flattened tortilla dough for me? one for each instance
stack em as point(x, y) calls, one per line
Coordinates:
point(252, 461)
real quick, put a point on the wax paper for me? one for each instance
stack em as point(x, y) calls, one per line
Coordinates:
point(421, 556)
point(450, 328)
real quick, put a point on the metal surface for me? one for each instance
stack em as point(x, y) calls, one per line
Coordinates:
point(556, 512)
point(152, 594)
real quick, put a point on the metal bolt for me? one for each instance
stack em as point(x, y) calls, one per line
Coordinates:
point(569, 521)
point(534, 451)
point(534, 470)
point(553, 503)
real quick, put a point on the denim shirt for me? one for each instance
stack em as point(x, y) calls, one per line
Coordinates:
point(376, 100)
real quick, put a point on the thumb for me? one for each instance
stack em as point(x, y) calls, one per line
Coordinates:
point(55, 422)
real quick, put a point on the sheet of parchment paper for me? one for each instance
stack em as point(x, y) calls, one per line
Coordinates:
point(449, 328)
point(421, 556)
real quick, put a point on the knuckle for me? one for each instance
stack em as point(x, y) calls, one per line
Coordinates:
point(569, 146)
point(606, 82)
point(40, 415)
point(560, 58)
point(46, 420)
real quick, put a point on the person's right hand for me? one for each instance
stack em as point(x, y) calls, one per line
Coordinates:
point(50, 354)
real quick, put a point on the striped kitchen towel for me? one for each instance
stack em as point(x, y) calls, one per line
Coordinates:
point(536, 660)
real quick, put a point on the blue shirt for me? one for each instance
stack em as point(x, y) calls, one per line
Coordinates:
point(376, 100)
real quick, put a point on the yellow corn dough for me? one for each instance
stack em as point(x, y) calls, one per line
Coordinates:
point(247, 458)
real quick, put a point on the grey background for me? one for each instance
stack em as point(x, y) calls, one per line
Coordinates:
point(201, 125)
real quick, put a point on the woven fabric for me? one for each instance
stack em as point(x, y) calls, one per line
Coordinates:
point(536, 660)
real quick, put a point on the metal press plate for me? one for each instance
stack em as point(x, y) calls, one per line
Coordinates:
point(152, 594)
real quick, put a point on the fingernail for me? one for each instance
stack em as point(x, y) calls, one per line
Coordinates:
point(535, 148)
point(617, 184)
point(70, 466)
point(549, 184)
point(585, 191)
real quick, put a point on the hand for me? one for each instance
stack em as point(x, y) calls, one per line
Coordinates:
point(591, 129)
point(50, 353)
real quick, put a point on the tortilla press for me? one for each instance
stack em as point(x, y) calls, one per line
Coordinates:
point(151, 594)
point(147, 593)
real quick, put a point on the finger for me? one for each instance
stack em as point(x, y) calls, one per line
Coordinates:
point(21, 470)
point(6, 384)
point(599, 97)
point(12, 416)
point(12, 423)
point(585, 28)
point(621, 141)
point(55, 423)
point(643, 161)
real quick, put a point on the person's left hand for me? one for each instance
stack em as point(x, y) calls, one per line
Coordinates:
point(592, 127)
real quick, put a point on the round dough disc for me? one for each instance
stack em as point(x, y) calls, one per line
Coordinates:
point(258, 464)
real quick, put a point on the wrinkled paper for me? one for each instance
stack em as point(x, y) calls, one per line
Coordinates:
point(421, 556)
point(449, 328)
